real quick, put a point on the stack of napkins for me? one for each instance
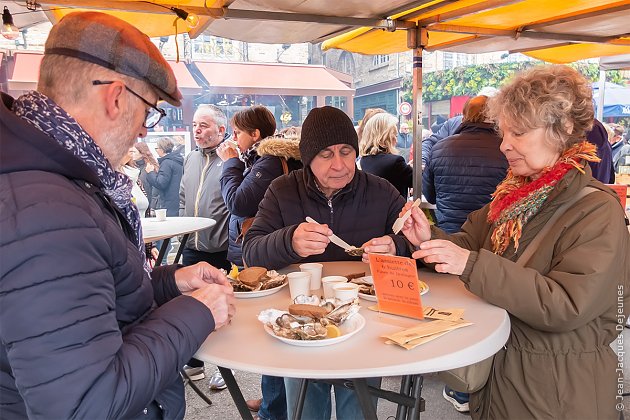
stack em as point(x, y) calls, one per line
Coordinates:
point(445, 320)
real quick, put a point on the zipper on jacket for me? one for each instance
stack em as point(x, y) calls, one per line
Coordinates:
point(331, 211)
point(198, 196)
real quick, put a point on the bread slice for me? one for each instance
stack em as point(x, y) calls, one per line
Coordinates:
point(252, 276)
point(301, 309)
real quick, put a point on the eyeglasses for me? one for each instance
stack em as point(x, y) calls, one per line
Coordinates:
point(154, 115)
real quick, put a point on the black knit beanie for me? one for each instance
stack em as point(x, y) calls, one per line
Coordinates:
point(323, 127)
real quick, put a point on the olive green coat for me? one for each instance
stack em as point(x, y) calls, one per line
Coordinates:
point(566, 307)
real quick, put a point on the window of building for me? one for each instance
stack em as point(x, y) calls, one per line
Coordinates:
point(380, 60)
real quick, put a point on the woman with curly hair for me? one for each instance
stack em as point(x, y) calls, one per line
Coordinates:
point(569, 298)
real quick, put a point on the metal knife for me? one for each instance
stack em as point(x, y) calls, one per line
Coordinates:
point(333, 238)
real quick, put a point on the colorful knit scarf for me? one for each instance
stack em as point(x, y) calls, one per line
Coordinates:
point(517, 198)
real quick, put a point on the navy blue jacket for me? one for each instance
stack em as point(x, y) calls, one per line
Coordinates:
point(464, 170)
point(364, 209)
point(447, 129)
point(243, 185)
point(602, 170)
point(167, 180)
point(392, 168)
point(84, 332)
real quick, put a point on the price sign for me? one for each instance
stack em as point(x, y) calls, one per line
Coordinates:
point(396, 285)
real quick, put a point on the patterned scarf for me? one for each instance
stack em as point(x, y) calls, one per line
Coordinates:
point(517, 198)
point(41, 112)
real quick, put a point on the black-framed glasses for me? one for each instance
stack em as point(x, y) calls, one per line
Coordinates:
point(154, 114)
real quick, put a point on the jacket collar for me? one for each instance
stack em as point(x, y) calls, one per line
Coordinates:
point(25, 148)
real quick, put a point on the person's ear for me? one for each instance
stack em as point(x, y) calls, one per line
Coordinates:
point(255, 134)
point(114, 100)
point(222, 130)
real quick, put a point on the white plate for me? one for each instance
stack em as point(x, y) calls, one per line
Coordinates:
point(372, 298)
point(259, 293)
point(349, 328)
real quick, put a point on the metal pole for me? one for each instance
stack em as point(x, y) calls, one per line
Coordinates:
point(417, 39)
point(602, 91)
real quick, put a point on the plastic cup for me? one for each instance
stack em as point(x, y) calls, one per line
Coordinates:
point(328, 282)
point(316, 274)
point(346, 291)
point(160, 215)
point(299, 284)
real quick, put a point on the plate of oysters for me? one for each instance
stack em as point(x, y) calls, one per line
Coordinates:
point(366, 287)
point(256, 282)
point(311, 323)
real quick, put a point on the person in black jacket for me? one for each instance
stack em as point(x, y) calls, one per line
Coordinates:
point(359, 207)
point(465, 168)
point(378, 153)
point(243, 185)
point(87, 329)
point(167, 178)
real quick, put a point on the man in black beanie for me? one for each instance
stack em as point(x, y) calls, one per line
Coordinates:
point(359, 207)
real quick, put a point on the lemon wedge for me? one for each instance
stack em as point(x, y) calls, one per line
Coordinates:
point(332, 331)
point(234, 272)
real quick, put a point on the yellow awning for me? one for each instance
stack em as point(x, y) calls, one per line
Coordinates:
point(557, 31)
point(152, 19)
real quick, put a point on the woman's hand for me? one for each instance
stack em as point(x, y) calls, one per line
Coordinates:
point(382, 245)
point(447, 257)
point(417, 228)
point(310, 239)
point(149, 168)
point(226, 151)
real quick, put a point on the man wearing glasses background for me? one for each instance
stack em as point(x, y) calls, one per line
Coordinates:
point(87, 330)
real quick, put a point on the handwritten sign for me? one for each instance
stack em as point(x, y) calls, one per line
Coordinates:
point(396, 285)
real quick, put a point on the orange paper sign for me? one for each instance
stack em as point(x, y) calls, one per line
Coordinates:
point(621, 191)
point(396, 285)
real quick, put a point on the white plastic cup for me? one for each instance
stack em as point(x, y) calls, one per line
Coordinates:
point(299, 284)
point(160, 215)
point(328, 282)
point(346, 291)
point(316, 274)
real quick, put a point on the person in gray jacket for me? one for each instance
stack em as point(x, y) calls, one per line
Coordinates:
point(200, 196)
point(200, 190)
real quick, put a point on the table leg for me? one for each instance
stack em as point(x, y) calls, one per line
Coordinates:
point(405, 389)
point(181, 248)
point(416, 393)
point(188, 381)
point(363, 394)
point(236, 394)
point(299, 406)
point(163, 248)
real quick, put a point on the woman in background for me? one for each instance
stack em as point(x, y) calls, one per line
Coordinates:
point(377, 147)
point(142, 156)
point(244, 182)
point(167, 177)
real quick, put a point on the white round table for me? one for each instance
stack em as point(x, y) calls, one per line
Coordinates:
point(244, 345)
point(154, 230)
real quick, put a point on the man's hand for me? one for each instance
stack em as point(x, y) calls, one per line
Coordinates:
point(382, 245)
point(193, 277)
point(310, 239)
point(226, 151)
point(417, 228)
point(149, 168)
point(219, 298)
point(447, 257)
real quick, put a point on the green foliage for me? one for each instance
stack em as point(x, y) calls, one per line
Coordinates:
point(469, 80)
